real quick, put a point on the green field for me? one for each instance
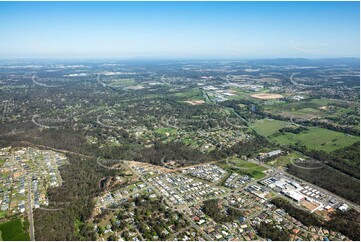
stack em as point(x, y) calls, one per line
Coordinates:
point(166, 130)
point(193, 94)
point(3, 214)
point(240, 94)
point(267, 127)
point(123, 82)
point(318, 138)
point(284, 160)
point(190, 142)
point(306, 108)
point(242, 105)
point(246, 95)
point(14, 230)
point(243, 167)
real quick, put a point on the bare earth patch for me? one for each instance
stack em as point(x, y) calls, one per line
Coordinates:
point(195, 102)
point(323, 108)
point(267, 96)
point(309, 205)
point(324, 214)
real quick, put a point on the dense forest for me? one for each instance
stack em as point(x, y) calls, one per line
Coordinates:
point(74, 198)
point(345, 160)
point(220, 214)
point(329, 179)
point(251, 147)
point(172, 151)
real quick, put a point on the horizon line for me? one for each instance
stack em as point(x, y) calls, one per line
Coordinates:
point(174, 58)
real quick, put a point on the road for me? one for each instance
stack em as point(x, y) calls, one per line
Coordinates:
point(206, 97)
point(30, 203)
point(102, 83)
point(42, 84)
point(105, 125)
point(300, 85)
point(30, 211)
point(63, 151)
point(33, 119)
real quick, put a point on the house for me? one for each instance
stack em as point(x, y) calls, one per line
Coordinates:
point(202, 221)
point(218, 236)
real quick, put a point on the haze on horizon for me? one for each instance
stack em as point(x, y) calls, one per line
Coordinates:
point(179, 29)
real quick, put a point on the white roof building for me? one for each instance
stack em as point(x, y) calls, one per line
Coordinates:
point(344, 207)
point(294, 195)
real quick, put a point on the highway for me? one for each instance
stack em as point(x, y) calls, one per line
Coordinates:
point(102, 83)
point(300, 85)
point(42, 84)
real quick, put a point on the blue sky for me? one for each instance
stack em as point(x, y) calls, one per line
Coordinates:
point(179, 29)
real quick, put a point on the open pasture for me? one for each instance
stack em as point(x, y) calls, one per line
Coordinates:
point(14, 230)
point(318, 139)
point(307, 109)
point(122, 82)
point(268, 127)
point(243, 167)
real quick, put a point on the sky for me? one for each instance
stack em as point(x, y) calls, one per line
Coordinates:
point(233, 30)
